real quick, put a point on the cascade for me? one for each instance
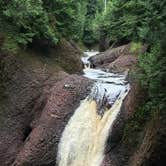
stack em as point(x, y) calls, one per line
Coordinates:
point(84, 137)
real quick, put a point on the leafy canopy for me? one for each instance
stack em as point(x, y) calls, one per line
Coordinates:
point(141, 21)
point(24, 20)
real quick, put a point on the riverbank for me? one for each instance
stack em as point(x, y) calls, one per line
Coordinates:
point(39, 97)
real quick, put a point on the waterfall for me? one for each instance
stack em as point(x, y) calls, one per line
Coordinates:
point(84, 137)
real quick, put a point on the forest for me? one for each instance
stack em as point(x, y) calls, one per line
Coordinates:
point(22, 21)
point(91, 24)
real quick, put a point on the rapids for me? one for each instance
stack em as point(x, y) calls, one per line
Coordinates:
point(83, 139)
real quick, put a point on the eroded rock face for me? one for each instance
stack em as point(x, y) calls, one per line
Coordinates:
point(68, 56)
point(41, 146)
point(109, 56)
point(19, 111)
point(38, 102)
point(129, 107)
point(135, 141)
point(26, 81)
point(123, 63)
point(24, 89)
point(117, 59)
point(135, 97)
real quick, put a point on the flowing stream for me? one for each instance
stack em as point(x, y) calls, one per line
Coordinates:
point(84, 137)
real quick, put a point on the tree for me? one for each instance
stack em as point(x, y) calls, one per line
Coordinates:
point(141, 21)
point(24, 20)
point(89, 36)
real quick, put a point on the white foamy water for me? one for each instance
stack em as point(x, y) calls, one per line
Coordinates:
point(84, 137)
point(99, 75)
point(86, 56)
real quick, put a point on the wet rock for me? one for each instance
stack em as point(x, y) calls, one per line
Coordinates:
point(109, 55)
point(26, 80)
point(103, 60)
point(116, 132)
point(41, 145)
point(123, 63)
point(130, 105)
point(134, 98)
point(115, 144)
point(20, 109)
point(110, 160)
point(68, 56)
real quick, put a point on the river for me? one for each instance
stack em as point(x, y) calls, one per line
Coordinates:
point(84, 138)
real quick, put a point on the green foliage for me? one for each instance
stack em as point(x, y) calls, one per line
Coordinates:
point(143, 22)
point(28, 19)
point(132, 19)
point(25, 20)
point(22, 21)
point(70, 16)
point(10, 45)
point(152, 76)
point(118, 21)
point(135, 46)
point(90, 37)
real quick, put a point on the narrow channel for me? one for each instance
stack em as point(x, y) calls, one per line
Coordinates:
point(84, 137)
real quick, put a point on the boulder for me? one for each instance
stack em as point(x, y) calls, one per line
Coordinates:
point(104, 59)
point(41, 144)
point(123, 63)
point(66, 54)
point(120, 59)
point(23, 91)
point(134, 98)
point(109, 55)
point(26, 81)
point(130, 105)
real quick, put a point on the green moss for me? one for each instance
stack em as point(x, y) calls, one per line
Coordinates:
point(10, 45)
point(82, 46)
point(135, 46)
point(36, 60)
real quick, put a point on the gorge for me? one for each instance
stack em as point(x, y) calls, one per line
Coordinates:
point(84, 138)
point(82, 83)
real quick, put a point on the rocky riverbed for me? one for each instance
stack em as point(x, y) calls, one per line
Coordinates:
point(38, 101)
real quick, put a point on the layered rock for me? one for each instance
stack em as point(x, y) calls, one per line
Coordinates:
point(41, 145)
point(137, 138)
point(123, 63)
point(26, 82)
point(68, 56)
point(109, 56)
point(37, 100)
point(118, 59)
point(65, 54)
